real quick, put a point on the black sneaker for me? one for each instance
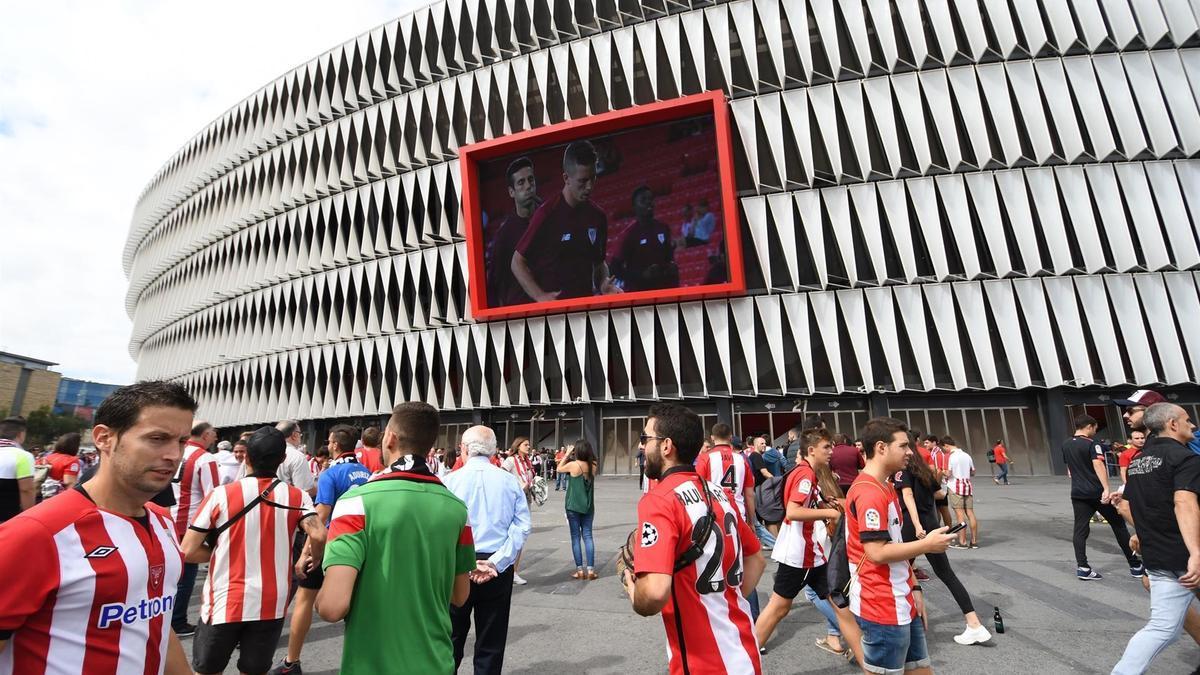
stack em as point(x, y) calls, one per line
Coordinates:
point(1087, 574)
point(285, 668)
point(1137, 571)
point(184, 630)
point(762, 650)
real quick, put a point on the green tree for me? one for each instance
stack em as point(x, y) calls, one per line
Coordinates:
point(44, 426)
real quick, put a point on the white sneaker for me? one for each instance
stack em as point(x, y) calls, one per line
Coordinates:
point(517, 580)
point(973, 636)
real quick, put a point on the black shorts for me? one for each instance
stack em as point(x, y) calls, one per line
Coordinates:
point(944, 501)
point(256, 641)
point(789, 581)
point(313, 580)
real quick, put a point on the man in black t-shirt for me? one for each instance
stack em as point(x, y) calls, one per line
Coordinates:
point(1089, 494)
point(1162, 492)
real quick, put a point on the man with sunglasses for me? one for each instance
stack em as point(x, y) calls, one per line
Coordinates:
point(693, 554)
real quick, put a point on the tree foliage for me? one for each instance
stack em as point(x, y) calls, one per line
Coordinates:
point(44, 426)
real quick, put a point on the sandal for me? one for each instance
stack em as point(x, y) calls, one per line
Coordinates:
point(823, 645)
point(578, 574)
point(591, 576)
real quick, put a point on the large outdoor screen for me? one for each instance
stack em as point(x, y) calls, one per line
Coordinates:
point(626, 207)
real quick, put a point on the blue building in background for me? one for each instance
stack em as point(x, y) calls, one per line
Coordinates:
point(75, 396)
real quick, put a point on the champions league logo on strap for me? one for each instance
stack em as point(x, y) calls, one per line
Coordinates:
point(147, 609)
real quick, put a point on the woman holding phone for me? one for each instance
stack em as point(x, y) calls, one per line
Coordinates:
point(920, 489)
point(579, 465)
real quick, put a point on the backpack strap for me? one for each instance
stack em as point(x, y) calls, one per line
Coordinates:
point(262, 497)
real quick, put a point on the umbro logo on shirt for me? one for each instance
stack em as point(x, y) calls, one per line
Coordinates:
point(101, 552)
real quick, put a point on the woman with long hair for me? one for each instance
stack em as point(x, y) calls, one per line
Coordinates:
point(579, 465)
point(920, 489)
point(64, 465)
point(518, 464)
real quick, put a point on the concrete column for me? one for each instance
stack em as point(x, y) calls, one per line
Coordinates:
point(1052, 405)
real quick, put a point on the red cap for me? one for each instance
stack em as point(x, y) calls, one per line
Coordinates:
point(1143, 397)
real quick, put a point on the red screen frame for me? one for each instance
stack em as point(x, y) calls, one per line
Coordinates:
point(606, 123)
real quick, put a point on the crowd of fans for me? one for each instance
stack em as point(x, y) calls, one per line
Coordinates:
point(109, 559)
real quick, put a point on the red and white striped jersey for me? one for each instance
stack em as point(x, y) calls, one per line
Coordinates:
point(961, 466)
point(726, 468)
point(801, 543)
point(251, 564)
point(197, 476)
point(708, 624)
point(939, 459)
point(86, 590)
point(879, 592)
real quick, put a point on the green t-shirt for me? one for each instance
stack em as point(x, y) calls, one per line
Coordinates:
point(408, 537)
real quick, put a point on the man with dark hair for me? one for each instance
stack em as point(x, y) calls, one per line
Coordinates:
point(403, 519)
point(344, 472)
point(1162, 488)
point(730, 469)
point(295, 470)
point(16, 469)
point(1089, 494)
point(939, 459)
point(561, 254)
point(846, 461)
point(884, 593)
point(199, 474)
point(502, 287)
point(646, 259)
point(244, 531)
point(68, 562)
point(676, 571)
point(369, 455)
point(802, 548)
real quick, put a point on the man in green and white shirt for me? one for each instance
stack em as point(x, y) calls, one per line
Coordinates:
point(16, 469)
point(399, 552)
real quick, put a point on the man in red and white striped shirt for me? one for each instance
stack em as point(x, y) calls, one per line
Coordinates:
point(884, 595)
point(962, 491)
point(803, 545)
point(728, 468)
point(90, 576)
point(698, 592)
point(250, 563)
point(198, 475)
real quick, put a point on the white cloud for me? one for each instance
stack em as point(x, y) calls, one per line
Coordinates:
point(94, 98)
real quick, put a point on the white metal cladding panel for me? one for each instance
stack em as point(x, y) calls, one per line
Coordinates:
point(303, 254)
point(451, 368)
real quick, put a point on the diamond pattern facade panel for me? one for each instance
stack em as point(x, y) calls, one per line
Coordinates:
point(933, 196)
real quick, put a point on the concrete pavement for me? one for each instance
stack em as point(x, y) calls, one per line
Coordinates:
point(1055, 623)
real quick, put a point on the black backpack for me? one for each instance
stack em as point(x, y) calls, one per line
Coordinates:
point(837, 564)
point(768, 498)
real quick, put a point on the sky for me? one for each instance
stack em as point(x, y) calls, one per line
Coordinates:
point(94, 98)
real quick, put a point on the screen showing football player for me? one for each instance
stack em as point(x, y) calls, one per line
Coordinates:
point(646, 259)
point(561, 254)
point(502, 287)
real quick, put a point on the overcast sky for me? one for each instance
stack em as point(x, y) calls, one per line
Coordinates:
point(94, 98)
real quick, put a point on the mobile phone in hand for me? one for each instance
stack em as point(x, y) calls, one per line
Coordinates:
point(957, 528)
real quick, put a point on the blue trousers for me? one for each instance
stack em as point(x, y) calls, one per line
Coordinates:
point(581, 533)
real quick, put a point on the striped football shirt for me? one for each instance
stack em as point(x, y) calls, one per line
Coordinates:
point(91, 591)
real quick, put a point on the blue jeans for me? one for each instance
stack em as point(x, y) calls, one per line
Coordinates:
point(1003, 475)
point(1169, 602)
point(764, 535)
point(581, 529)
point(754, 610)
point(560, 480)
point(893, 649)
point(825, 609)
point(183, 594)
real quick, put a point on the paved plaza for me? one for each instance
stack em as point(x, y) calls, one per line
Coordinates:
point(1055, 624)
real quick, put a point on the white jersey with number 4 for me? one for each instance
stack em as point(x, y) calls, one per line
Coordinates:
point(726, 468)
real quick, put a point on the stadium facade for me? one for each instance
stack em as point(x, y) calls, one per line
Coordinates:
point(977, 216)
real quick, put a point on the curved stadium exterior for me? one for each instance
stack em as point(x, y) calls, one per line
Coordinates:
point(977, 216)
